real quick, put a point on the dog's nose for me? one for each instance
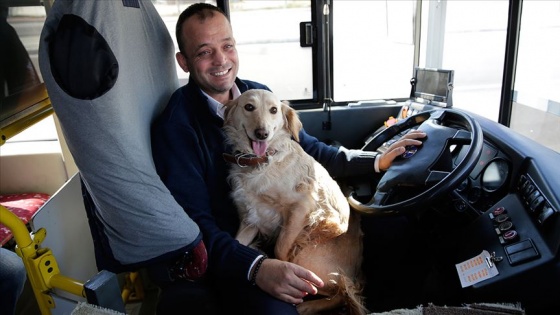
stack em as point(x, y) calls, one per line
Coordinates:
point(261, 134)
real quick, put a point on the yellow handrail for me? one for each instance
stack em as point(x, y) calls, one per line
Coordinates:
point(40, 263)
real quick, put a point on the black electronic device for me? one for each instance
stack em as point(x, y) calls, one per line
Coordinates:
point(430, 88)
point(433, 86)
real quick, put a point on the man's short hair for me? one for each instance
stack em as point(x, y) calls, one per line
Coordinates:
point(202, 11)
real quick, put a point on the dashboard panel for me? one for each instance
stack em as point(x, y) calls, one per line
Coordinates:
point(511, 198)
point(508, 206)
point(486, 184)
point(513, 195)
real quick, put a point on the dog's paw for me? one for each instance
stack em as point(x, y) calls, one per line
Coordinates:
point(304, 309)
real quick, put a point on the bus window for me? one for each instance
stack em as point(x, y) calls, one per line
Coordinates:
point(23, 25)
point(472, 42)
point(373, 49)
point(267, 35)
point(536, 98)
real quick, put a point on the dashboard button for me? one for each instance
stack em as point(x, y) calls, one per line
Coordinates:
point(534, 195)
point(537, 204)
point(510, 235)
point(521, 252)
point(505, 226)
point(501, 218)
point(498, 211)
point(546, 213)
point(517, 247)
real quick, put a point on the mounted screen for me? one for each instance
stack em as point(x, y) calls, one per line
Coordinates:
point(434, 86)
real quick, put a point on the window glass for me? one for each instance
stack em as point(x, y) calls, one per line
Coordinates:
point(21, 28)
point(373, 49)
point(267, 35)
point(169, 10)
point(536, 99)
point(474, 47)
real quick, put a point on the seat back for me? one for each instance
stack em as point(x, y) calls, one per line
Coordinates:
point(109, 68)
point(64, 220)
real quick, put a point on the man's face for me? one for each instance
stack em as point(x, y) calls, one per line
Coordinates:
point(210, 55)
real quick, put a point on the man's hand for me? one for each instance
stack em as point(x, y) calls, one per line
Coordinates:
point(287, 281)
point(398, 148)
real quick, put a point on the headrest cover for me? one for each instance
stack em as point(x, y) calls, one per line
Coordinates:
point(109, 68)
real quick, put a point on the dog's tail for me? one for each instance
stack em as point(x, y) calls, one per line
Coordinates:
point(352, 291)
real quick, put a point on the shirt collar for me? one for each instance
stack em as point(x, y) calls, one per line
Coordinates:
point(217, 107)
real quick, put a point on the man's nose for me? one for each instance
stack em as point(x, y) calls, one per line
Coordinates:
point(219, 57)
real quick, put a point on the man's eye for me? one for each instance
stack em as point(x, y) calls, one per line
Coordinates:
point(203, 54)
point(273, 110)
point(249, 107)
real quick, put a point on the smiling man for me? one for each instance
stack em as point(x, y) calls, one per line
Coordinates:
point(188, 143)
point(207, 51)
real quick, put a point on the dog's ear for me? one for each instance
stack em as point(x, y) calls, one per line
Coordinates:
point(229, 108)
point(291, 120)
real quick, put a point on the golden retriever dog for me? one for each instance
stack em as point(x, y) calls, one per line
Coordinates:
point(284, 196)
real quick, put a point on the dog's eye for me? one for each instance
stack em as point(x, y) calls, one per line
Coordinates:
point(249, 107)
point(274, 110)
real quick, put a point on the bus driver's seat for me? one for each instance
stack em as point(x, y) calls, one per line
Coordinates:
point(109, 68)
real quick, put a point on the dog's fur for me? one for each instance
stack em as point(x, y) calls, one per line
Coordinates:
point(293, 201)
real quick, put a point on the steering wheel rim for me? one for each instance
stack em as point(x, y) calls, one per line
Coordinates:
point(417, 167)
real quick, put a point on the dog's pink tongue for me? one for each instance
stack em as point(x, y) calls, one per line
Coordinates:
point(259, 147)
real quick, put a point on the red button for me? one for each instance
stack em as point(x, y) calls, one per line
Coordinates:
point(509, 235)
point(498, 211)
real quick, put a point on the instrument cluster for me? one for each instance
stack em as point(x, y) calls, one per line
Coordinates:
point(486, 184)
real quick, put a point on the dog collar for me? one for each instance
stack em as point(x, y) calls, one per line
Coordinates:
point(247, 159)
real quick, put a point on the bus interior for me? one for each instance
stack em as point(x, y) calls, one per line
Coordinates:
point(474, 226)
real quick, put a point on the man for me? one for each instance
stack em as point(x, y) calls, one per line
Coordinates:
point(187, 145)
point(12, 280)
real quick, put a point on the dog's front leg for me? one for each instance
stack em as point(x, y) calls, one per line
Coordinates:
point(295, 220)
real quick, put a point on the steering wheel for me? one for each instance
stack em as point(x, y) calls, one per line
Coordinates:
point(425, 173)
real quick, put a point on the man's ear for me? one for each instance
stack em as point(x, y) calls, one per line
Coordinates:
point(182, 61)
point(291, 120)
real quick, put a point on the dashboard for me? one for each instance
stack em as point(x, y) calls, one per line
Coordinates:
point(511, 200)
point(508, 205)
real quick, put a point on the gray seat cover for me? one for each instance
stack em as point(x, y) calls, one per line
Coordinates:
point(109, 135)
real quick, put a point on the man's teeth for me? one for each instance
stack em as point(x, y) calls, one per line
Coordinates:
point(218, 74)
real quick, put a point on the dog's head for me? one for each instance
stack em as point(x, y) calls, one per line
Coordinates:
point(257, 120)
